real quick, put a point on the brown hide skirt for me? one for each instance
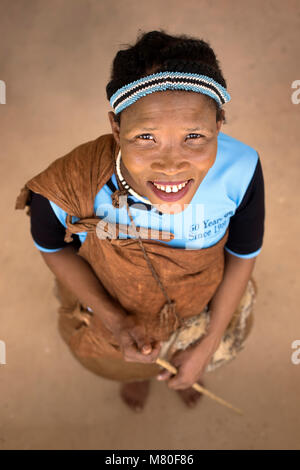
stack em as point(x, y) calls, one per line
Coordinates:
point(72, 318)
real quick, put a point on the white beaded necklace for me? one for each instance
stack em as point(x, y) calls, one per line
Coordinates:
point(125, 184)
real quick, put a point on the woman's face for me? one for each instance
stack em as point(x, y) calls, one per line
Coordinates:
point(167, 138)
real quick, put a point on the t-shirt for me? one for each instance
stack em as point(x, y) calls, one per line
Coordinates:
point(231, 194)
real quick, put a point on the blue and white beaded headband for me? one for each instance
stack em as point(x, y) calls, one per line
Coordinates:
point(161, 81)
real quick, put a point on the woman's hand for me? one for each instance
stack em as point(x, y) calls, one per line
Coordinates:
point(134, 344)
point(190, 363)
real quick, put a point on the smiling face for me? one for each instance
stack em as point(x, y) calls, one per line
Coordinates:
point(167, 137)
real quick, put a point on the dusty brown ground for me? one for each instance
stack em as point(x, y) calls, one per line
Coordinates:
point(55, 59)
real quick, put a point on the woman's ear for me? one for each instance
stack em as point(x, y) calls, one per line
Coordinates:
point(219, 125)
point(114, 126)
point(221, 120)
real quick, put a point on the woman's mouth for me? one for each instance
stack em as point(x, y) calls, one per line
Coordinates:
point(170, 192)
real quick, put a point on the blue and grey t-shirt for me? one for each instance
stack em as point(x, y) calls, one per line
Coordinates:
point(231, 194)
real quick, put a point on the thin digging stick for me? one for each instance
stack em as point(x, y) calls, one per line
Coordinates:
point(198, 387)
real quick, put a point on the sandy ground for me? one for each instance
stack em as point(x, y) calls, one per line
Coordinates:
point(55, 59)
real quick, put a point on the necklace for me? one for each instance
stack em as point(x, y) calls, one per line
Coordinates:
point(125, 184)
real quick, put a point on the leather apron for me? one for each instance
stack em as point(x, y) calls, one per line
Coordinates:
point(161, 286)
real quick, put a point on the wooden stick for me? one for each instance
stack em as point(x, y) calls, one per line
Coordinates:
point(198, 387)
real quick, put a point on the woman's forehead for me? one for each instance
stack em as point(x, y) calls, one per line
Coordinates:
point(161, 107)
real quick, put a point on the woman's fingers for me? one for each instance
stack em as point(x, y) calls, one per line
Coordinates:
point(139, 336)
point(164, 375)
point(132, 353)
point(136, 345)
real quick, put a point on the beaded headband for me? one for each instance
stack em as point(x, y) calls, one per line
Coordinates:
point(161, 81)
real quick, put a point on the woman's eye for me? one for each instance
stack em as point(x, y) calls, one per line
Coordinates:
point(146, 136)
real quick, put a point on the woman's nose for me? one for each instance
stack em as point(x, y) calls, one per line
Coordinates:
point(170, 163)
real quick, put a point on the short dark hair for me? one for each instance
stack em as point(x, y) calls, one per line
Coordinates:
point(156, 51)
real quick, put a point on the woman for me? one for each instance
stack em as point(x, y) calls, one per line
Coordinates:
point(154, 229)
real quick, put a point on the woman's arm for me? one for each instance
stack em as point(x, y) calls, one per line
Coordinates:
point(237, 272)
point(192, 362)
point(78, 276)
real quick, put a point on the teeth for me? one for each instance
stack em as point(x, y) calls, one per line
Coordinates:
point(169, 189)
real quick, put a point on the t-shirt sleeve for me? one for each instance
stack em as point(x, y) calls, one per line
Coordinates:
point(246, 227)
point(46, 229)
